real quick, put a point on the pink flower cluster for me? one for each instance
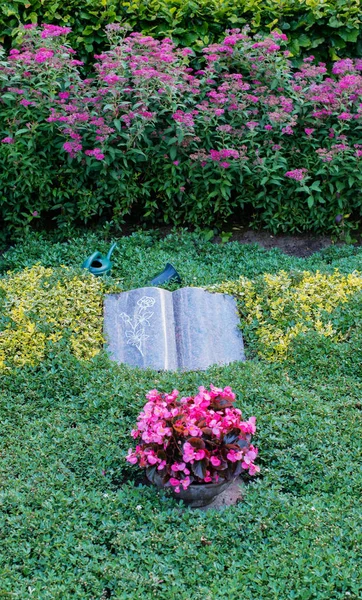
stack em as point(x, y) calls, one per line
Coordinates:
point(198, 438)
point(96, 153)
point(296, 174)
point(51, 31)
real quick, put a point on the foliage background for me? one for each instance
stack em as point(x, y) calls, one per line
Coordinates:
point(328, 29)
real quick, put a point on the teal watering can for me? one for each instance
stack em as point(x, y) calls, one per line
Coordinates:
point(98, 264)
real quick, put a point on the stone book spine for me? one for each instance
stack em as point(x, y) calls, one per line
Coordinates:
point(189, 329)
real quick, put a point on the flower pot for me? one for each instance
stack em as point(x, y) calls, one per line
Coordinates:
point(197, 494)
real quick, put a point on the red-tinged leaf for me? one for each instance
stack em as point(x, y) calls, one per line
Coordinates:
point(222, 466)
point(220, 403)
point(236, 469)
point(231, 437)
point(243, 443)
point(151, 473)
point(178, 428)
point(196, 442)
point(206, 430)
point(199, 468)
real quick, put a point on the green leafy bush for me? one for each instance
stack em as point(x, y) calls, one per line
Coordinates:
point(150, 138)
point(330, 29)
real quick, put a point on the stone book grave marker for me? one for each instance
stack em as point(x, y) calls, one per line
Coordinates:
point(189, 329)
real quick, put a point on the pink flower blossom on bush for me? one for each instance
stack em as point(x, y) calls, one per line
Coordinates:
point(54, 31)
point(197, 439)
point(7, 140)
point(296, 174)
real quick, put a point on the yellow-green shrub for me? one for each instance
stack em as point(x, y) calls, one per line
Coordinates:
point(277, 308)
point(43, 305)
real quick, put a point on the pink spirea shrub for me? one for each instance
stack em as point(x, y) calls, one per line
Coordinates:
point(246, 128)
point(201, 439)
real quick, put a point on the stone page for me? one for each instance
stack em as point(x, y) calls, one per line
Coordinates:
point(139, 328)
point(207, 329)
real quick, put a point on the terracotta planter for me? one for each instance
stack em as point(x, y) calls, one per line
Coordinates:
point(197, 494)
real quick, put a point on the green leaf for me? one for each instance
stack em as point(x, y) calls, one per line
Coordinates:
point(315, 186)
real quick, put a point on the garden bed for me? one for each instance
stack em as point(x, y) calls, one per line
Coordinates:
point(70, 530)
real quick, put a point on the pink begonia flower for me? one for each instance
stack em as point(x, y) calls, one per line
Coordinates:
point(175, 483)
point(152, 458)
point(178, 466)
point(216, 462)
point(153, 395)
point(234, 456)
point(131, 457)
point(194, 431)
point(188, 453)
point(252, 469)
point(250, 455)
point(200, 454)
point(249, 426)
point(185, 482)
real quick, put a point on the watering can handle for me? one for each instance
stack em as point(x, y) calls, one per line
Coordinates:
point(90, 259)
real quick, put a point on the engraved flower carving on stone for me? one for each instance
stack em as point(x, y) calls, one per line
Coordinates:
point(136, 334)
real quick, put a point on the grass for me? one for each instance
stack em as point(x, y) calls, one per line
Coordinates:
point(75, 521)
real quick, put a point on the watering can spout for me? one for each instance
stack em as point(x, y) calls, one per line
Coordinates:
point(111, 250)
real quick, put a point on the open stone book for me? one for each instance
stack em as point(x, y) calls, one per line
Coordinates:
point(189, 329)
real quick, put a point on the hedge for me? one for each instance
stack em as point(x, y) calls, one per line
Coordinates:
point(328, 29)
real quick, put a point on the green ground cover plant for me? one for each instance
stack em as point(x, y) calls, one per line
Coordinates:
point(76, 521)
point(330, 29)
